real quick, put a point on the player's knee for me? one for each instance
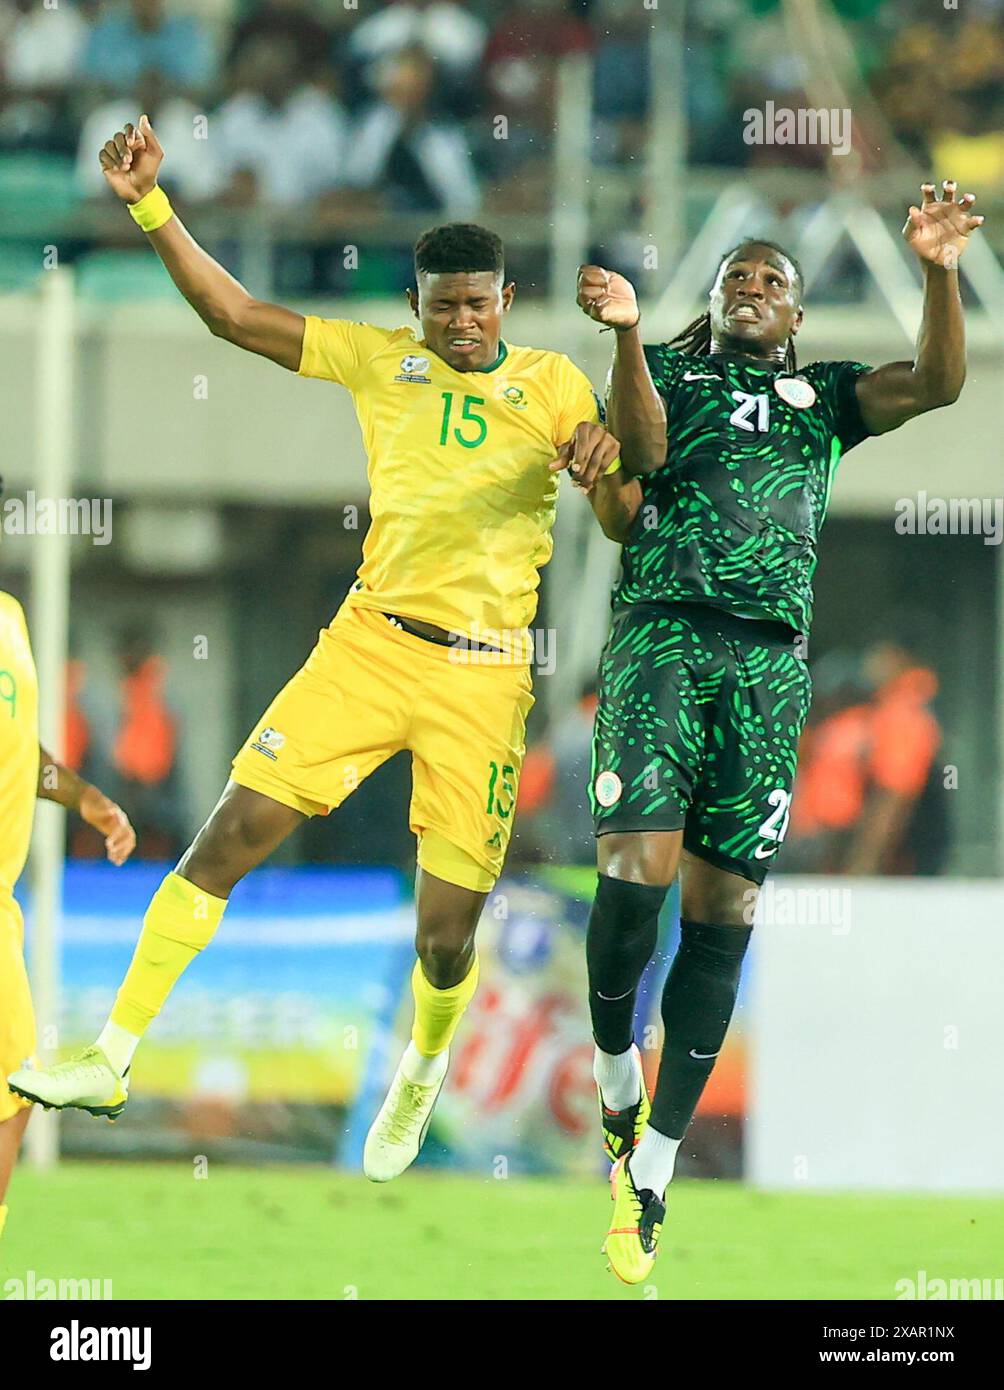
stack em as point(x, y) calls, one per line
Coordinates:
point(221, 853)
point(731, 904)
point(629, 910)
point(445, 946)
point(648, 860)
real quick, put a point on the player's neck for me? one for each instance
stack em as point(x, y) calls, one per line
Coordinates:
point(774, 358)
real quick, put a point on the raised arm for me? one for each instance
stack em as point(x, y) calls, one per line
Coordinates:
point(130, 161)
point(636, 413)
point(58, 783)
point(938, 233)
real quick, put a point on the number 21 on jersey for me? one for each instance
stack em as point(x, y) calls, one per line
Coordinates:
point(742, 416)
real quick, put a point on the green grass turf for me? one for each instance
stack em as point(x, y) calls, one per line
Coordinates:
point(157, 1232)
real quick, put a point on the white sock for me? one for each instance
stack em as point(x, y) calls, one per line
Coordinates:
point(118, 1045)
point(618, 1077)
point(422, 1070)
point(653, 1161)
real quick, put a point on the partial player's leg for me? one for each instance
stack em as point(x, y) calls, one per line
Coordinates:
point(736, 820)
point(17, 1040)
point(11, 1132)
point(698, 1000)
point(647, 753)
point(443, 983)
point(635, 871)
point(243, 830)
point(341, 716)
point(467, 739)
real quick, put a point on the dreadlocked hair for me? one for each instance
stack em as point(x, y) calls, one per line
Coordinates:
point(695, 339)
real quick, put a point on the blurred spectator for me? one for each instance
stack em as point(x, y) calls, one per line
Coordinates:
point(869, 797)
point(43, 47)
point(903, 825)
point(555, 823)
point(279, 139)
point(830, 786)
point(144, 751)
point(141, 36)
point(40, 55)
point(521, 72)
point(190, 167)
point(447, 32)
point(281, 20)
point(621, 79)
point(420, 163)
point(526, 43)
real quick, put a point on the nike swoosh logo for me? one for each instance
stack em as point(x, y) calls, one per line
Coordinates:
point(698, 376)
point(764, 851)
point(702, 1056)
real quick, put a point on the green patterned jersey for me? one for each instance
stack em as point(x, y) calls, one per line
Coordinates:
point(733, 517)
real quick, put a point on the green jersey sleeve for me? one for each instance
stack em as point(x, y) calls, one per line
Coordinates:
point(836, 386)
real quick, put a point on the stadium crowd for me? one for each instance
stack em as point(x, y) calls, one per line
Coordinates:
point(399, 101)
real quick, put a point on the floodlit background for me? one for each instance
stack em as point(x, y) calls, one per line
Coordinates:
point(307, 146)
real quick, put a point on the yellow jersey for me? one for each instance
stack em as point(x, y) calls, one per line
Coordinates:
point(461, 500)
point(18, 742)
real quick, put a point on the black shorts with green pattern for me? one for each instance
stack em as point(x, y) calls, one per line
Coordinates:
point(697, 728)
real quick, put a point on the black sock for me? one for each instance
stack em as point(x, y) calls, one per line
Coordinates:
point(697, 1003)
point(623, 927)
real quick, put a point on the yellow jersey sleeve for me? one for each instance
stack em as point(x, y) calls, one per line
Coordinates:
point(579, 402)
point(338, 350)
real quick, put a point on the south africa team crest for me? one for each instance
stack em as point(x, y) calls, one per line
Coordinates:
point(515, 396)
point(795, 391)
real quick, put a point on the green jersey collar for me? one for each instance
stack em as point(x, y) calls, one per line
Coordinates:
point(503, 354)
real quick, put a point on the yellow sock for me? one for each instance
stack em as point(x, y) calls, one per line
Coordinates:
point(438, 1011)
point(3, 1219)
point(180, 920)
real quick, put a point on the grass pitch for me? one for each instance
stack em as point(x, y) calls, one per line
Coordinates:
point(157, 1232)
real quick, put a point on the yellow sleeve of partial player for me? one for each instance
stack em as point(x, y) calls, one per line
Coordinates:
point(579, 402)
point(337, 350)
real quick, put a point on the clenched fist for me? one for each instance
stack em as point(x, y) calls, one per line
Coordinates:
point(130, 161)
point(607, 297)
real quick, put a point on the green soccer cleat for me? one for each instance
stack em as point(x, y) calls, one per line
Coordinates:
point(623, 1128)
point(399, 1130)
point(86, 1081)
point(634, 1232)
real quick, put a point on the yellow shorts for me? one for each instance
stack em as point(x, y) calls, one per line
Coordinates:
point(369, 689)
point(17, 1018)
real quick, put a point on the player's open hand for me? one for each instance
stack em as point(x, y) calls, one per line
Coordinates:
point(938, 231)
point(587, 455)
point(607, 297)
point(111, 821)
point(130, 160)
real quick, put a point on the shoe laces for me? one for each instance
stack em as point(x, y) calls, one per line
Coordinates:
point(407, 1111)
point(81, 1068)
